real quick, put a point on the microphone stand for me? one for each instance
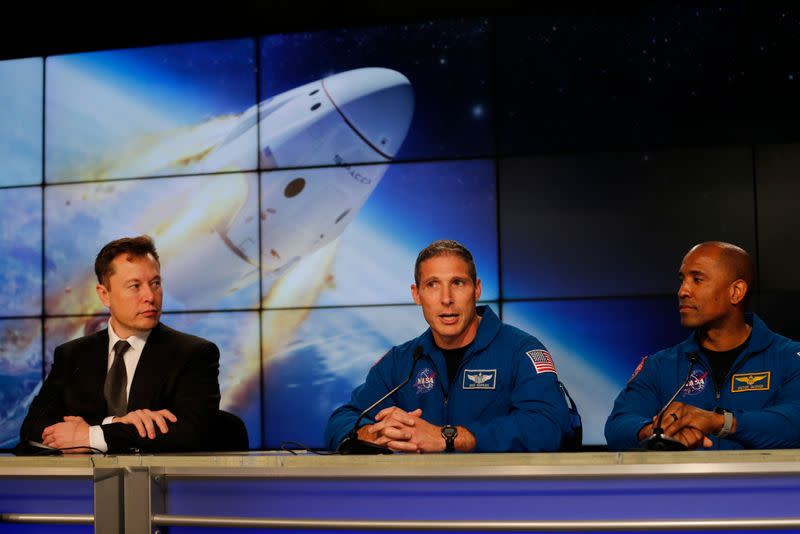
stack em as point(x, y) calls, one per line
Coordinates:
point(351, 444)
point(658, 441)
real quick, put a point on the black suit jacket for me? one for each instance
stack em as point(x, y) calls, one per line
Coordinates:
point(176, 371)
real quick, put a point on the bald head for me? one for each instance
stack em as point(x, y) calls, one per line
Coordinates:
point(733, 260)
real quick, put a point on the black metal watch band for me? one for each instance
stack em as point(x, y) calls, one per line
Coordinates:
point(449, 433)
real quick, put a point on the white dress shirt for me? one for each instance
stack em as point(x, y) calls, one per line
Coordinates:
point(131, 358)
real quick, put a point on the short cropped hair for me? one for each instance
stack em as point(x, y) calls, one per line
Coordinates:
point(446, 247)
point(136, 247)
point(738, 262)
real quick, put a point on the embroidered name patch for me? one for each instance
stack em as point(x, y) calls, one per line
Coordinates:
point(542, 361)
point(479, 379)
point(750, 382)
point(425, 381)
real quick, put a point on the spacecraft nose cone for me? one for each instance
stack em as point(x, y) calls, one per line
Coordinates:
point(377, 103)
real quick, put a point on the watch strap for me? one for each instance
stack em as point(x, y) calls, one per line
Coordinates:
point(449, 434)
point(727, 424)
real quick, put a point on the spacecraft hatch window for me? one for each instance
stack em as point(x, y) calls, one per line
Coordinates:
point(342, 216)
point(312, 93)
point(294, 188)
point(315, 106)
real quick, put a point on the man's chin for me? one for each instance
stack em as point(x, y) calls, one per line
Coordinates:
point(688, 322)
point(147, 323)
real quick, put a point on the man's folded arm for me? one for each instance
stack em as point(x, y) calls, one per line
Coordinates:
point(195, 404)
point(48, 406)
point(343, 418)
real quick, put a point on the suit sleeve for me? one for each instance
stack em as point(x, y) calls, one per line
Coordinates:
point(376, 385)
point(634, 407)
point(49, 406)
point(776, 426)
point(194, 399)
point(538, 418)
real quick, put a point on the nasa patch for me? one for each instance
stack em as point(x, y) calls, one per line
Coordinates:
point(638, 369)
point(425, 381)
point(479, 379)
point(696, 384)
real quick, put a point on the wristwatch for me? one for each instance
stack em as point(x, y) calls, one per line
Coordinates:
point(727, 424)
point(449, 434)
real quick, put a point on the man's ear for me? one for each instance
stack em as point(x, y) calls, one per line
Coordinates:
point(415, 293)
point(102, 292)
point(738, 290)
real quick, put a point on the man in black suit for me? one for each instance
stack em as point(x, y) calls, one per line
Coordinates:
point(137, 385)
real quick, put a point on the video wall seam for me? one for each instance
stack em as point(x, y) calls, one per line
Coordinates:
point(289, 181)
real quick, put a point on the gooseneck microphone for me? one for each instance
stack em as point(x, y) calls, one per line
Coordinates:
point(658, 441)
point(351, 444)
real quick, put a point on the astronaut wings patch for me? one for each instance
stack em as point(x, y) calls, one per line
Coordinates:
point(542, 361)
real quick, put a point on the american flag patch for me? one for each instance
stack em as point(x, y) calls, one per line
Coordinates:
point(542, 361)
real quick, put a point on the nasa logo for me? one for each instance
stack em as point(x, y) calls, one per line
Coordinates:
point(425, 381)
point(479, 379)
point(696, 384)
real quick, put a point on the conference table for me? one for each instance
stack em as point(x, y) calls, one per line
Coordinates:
point(522, 492)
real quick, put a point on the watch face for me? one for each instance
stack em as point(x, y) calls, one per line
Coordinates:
point(449, 432)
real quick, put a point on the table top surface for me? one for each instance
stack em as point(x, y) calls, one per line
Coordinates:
point(527, 465)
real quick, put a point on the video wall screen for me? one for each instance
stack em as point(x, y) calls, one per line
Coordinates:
point(630, 79)
point(21, 125)
point(778, 191)
point(408, 91)
point(21, 252)
point(596, 345)
point(604, 224)
point(20, 373)
point(169, 141)
point(290, 180)
point(156, 111)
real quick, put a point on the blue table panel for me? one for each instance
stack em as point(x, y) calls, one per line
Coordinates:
point(481, 499)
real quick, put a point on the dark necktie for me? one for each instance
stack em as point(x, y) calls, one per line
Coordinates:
point(116, 386)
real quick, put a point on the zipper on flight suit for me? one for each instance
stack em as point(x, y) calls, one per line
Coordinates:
point(731, 372)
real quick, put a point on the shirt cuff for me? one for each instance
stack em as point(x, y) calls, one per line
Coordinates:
point(96, 438)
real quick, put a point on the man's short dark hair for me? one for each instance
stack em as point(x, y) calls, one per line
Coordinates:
point(446, 247)
point(134, 247)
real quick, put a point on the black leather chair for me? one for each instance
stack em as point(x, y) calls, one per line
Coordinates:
point(228, 433)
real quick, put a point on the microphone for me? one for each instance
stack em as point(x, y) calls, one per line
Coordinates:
point(658, 441)
point(351, 444)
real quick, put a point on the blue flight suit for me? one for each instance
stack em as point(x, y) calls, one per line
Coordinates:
point(762, 389)
point(503, 391)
